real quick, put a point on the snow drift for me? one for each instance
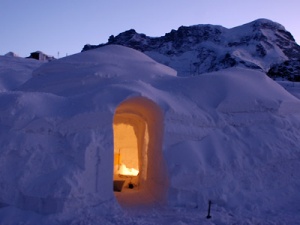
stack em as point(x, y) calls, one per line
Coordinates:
point(230, 137)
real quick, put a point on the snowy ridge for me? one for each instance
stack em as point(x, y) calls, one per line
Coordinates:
point(229, 136)
point(193, 50)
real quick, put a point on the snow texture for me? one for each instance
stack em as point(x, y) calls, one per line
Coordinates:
point(229, 136)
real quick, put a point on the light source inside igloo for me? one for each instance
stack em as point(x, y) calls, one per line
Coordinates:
point(130, 156)
point(125, 150)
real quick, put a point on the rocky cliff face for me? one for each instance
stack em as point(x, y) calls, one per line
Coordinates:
point(289, 69)
point(193, 50)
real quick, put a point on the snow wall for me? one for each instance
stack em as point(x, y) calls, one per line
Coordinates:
point(230, 136)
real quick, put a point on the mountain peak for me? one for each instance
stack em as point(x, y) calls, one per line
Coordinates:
point(196, 49)
point(266, 23)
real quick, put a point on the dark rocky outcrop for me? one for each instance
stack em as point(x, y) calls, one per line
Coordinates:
point(38, 55)
point(289, 69)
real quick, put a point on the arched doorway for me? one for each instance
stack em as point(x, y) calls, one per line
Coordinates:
point(139, 168)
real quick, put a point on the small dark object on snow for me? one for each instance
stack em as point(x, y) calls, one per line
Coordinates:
point(130, 185)
point(208, 214)
point(118, 185)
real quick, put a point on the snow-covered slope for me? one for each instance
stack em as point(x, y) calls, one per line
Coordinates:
point(198, 49)
point(14, 71)
point(229, 136)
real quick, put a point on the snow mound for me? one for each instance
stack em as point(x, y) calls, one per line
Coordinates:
point(14, 71)
point(11, 54)
point(85, 71)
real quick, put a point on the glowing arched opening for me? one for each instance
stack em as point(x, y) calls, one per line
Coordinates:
point(138, 160)
point(131, 139)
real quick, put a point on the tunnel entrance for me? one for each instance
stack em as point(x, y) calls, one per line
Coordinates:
point(139, 169)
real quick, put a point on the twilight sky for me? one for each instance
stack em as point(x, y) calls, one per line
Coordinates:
point(65, 26)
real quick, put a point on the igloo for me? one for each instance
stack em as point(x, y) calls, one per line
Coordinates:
point(70, 128)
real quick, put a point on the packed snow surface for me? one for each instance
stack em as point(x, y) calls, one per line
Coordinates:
point(230, 137)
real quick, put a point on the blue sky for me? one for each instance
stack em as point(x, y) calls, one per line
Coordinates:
point(64, 26)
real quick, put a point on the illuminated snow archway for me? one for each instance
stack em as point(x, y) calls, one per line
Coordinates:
point(139, 168)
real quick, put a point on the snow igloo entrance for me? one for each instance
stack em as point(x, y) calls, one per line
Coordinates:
point(139, 169)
